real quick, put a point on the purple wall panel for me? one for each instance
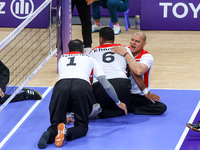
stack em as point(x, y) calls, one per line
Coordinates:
point(170, 15)
point(12, 13)
point(53, 3)
point(66, 24)
point(63, 27)
point(134, 7)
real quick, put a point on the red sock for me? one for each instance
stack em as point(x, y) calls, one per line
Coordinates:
point(117, 24)
point(97, 23)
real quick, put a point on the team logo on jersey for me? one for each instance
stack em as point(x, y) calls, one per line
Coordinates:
point(20, 9)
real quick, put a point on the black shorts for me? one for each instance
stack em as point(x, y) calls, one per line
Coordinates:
point(122, 87)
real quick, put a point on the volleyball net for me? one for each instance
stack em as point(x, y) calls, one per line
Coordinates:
point(26, 50)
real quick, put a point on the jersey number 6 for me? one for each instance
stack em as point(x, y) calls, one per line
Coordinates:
point(108, 57)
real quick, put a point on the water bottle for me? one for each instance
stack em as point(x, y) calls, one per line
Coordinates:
point(137, 22)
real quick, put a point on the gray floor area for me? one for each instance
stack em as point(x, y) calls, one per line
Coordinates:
point(105, 21)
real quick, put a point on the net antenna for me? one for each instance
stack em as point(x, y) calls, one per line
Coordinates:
point(32, 56)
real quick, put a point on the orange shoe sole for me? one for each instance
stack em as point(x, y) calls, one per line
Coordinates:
point(188, 125)
point(60, 136)
point(194, 129)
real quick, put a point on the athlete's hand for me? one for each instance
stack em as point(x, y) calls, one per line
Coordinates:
point(89, 2)
point(1, 93)
point(123, 107)
point(69, 119)
point(152, 97)
point(119, 50)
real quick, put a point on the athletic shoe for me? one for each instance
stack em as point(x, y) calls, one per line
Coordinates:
point(95, 111)
point(116, 29)
point(31, 94)
point(194, 127)
point(95, 28)
point(87, 50)
point(43, 140)
point(62, 130)
point(71, 114)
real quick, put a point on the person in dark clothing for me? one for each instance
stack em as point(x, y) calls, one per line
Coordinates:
point(83, 7)
point(113, 6)
point(73, 93)
point(26, 93)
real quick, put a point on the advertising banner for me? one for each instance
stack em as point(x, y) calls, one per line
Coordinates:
point(170, 15)
point(14, 12)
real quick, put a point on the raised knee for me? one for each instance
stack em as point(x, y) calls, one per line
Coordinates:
point(111, 4)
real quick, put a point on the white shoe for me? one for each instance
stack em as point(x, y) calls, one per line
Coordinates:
point(95, 28)
point(87, 50)
point(116, 29)
point(95, 111)
point(71, 114)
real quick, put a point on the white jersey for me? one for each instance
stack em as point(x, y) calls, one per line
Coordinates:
point(78, 65)
point(147, 59)
point(114, 65)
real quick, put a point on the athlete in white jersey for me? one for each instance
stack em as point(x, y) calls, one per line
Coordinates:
point(80, 68)
point(143, 58)
point(73, 93)
point(114, 67)
point(144, 101)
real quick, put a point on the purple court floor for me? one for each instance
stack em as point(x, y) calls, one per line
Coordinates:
point(22, 124)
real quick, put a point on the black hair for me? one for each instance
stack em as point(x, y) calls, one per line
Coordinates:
point(75, 45)
point(107, 34)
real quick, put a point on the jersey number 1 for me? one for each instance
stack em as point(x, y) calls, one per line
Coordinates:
point(71, 63)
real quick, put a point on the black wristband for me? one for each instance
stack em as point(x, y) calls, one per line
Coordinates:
point(125, 54)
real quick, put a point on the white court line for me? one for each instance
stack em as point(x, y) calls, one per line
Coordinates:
point(185, 132)
point(24, 118)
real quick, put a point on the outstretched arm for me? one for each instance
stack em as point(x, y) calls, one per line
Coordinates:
point(140, 82)
point(111, 92)
point(137, 68)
